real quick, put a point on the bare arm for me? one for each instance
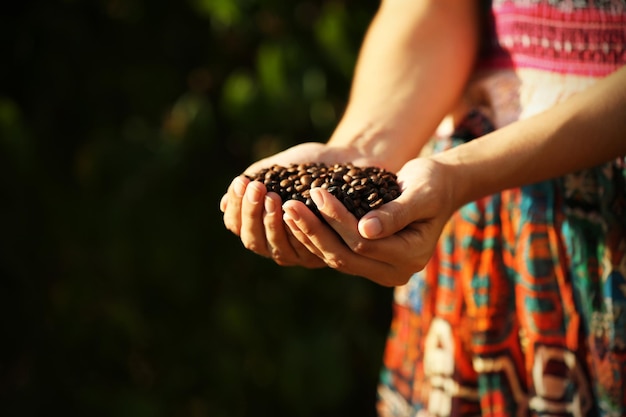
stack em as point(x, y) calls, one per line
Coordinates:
point(413, 65)
point(388, 244)
point(412, 68)
point(584, 131)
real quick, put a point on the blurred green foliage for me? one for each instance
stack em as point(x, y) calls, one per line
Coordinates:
point(121, 293)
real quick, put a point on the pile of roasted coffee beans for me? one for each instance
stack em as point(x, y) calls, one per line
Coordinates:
point(360, 189)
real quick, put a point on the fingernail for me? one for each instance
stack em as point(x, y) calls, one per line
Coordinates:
point(370, 227)
point(317, 198)
point(253, 195)
point(270, 205)
point(239, 187)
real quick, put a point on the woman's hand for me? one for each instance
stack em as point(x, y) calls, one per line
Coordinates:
point(389, 244)
point(256, 216)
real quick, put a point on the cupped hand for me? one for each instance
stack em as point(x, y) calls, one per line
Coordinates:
point(256, 216)
point(389, 244)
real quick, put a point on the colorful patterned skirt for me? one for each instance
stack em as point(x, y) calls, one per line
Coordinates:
point(522, 309)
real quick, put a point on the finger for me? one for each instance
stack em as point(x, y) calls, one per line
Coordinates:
point(326, 243)
point(224, 203)
point(386, 220)
point(293, 210)
point(252, 227)
point(321, 239)
point(278, 243)
point(284, 248)
point(336, 215)
point(307, 255)
point(232, 210)
point(390, 251)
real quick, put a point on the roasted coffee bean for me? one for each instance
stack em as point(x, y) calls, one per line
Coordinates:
point(317, 182)
point(306, 180)
point(377, 203)
point(372, 197)
point(349, 203)
point(360, 189)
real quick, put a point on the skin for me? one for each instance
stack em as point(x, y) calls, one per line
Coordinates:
point(411, 42)
point(389, 244)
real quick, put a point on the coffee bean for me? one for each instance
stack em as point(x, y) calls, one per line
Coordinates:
point(306, 180)
point(360, 189)
point(377, 203)
point(349, 203)
point(317, 182)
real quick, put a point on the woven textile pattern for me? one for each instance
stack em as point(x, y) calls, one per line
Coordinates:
point(522, 309)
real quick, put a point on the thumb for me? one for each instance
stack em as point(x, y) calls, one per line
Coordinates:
point(385, 221)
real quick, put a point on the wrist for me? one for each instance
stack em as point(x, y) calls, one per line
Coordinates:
point(457, 180)
point(383, 144)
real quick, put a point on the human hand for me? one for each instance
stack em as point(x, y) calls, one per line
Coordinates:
point(388, 244)
point(256, 215)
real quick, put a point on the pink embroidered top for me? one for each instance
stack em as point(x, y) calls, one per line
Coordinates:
point(580, 37)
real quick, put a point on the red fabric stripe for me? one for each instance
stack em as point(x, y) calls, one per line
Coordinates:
point(588, 41)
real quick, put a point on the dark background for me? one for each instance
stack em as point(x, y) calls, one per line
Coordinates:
point(121, 293)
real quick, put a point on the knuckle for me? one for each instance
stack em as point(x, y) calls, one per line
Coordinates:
point(251, 245)
point(335, 262)
point(361, 247)
point(270, 226)
point(234, 230)
point(280, 258)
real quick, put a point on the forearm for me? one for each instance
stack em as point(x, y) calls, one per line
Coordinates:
point(584, 131)
point(414, 63)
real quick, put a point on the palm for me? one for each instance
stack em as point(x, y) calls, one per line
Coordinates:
point(311, 152)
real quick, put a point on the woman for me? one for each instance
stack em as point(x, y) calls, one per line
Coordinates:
point(507, 246)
